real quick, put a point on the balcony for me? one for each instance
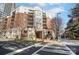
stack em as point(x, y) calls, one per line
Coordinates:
point(4, 27)
point(30, 18)
point(30, 26)
point(31, 10)
point(13, 16)
point(30, 23)
point(12, 23)
point(12, 19)
point(11, 26)
point(44, 27)
point(44, 17)
point(44, 21)
point(5, 21)
point(13, 13)
point(30, 13)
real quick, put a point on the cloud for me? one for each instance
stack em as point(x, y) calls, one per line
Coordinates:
point(56, 10)
point(42, 4)
point(38, 8)
point(56, 4)
point(53, 11)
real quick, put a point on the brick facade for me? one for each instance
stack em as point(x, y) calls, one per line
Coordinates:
point(19, 24)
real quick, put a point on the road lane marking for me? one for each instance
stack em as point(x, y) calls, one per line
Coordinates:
point(35, 53)
point(20, 50)
point(56, 51)
point(72, 53)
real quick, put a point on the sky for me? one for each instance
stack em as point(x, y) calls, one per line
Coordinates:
point(53, 8)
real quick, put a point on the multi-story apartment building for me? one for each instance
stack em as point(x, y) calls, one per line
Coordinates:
point(5, 10)
point(26, 22)
point(8, 7)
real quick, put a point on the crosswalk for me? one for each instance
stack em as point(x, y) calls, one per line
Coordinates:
point(47, 49)
point(54, 50)
point(20, 50)
point(39, 49)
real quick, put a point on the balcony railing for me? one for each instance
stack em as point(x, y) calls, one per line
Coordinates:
point(31, 23)
point(12, 19)
point(44, 27)
point(4, 27)
point(30, 13)
point(13, 16)
point(11, 27)
point(5, 21)
point(30, 18)
point(30, 26)
point(44, 21)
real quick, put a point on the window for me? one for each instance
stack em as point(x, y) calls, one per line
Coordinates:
point(12, 19)
point(25, 31)
point(13, 13)
point(6, 19)
point(11, 27)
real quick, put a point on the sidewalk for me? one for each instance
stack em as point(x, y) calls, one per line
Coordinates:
point(5, 39)
point(39, 40)
point(51, 41)
point(70, 42)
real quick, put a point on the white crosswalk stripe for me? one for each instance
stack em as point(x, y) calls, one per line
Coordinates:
point(20, 50)
point(35, 53)
point(63, 49)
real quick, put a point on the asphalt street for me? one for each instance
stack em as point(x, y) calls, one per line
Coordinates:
point(7, 47)
point(15, 48)
point(46, 50)
point(28, 51)
point(54, 50)
point(74, 48)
